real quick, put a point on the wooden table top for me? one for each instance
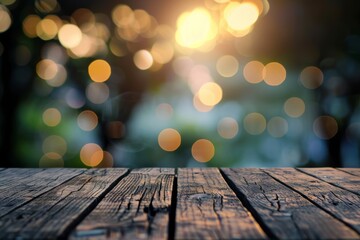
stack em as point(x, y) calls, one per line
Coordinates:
point(185, 203)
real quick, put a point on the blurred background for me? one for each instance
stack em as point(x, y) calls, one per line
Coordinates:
point(188, 83)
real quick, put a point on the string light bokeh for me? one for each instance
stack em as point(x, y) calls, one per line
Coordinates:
point(203, 83)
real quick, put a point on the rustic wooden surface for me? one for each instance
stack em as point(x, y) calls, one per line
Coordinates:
point(186, 203)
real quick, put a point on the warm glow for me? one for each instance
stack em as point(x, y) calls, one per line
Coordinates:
point(254, 123)
point(198, 76)
point(277, 127)
point(294, 107)
point(253, 72)
point(240, 16)
point(91, 154)
point(311, 77)
point(203, 150)
point(162, 52)
point(70, 35)
point(122, 15)
point(274, 74)
point(169, 139)
point(143, 59)
point(54, 144)
point(5, 19)
point(46, 6)
point(46, 29)
point(107, 162)
point(59, 78)
point(195, 28)
point(99, 70)
point(87, 120)
point(29, 25)
point(227, 66)
point(46, 69)
point(228, 128)
point(325, 127)
point(199, 106)
point(51, 117)
point(210, 94)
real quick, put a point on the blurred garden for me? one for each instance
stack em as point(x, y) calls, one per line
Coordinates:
point(187, 83)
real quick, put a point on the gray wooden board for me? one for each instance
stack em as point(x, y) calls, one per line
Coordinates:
point(353, 171)
point(52, 214)
point(208, 209)
point(137, 208)
point(336, 177)
point(340, 203)
point(285, 213)
point(19, 185)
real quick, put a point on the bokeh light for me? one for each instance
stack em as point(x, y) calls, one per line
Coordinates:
point(227, 66)
point(143, 59)
point(107, 162)
point(241, 16)
point(50, 160)
point(122, 15)
point(46, 69)
point(87, 120)
point(91, 154)
point(70, 35)
point(99, 70)
point(325, 127)
point(254, 123)
point(164, 111)
point(46, 6)
point(51, 117)
point(274, 73)
point(46, 29)
point(54, 144)
point(97, 93)
point(253, 72)
point(29, 25)
point(311, 77)
point(199, 106)
point(195, 28)
point(277, 127)
point(203, 150)
point(5, 19)
point(210, 94)
point(169, 139)
point(228, 128)
point(294, 107)
point(162, 52)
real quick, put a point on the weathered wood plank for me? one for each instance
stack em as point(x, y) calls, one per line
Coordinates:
point(19, 186)
point(283, 212)
point(137, 208)
point(336, 177)
point(340, 203)
point(208, 209)
point(353, 171)
point(53, 214)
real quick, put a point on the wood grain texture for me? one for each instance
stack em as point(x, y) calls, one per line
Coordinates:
point(137, 208)
point(283, 212)
point(208, 209)
point(340, 203)
point(52, 214)
point(335, 177)
point(353, 171)
point(20, 185)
